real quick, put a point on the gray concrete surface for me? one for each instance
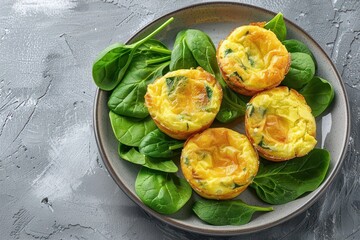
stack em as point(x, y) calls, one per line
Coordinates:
point(52, 181)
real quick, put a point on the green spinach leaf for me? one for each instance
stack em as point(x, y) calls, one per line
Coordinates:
point(131, 154)
point(197, 49)
point(108, 65)
point(163, 192)
point(277, 25)
point(232, 106)
point(229, 212)
point(112, 63)
point(203, 50)
point(318, 94)
point(293, 45)
point(149, 63)
point(279, 183)
point(302, 70)
point(181, 56)
point(159, 145)
point(130, 131)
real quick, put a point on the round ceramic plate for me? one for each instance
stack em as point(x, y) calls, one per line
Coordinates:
point(217, 20)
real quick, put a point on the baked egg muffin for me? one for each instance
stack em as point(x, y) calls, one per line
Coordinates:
point(219, 163)
point(184, 102)
point(280, 125)
point(252, 59)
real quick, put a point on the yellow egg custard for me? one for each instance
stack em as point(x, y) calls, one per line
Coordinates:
point(252, 59)
point(280, 125)
point(219, 163)
point(184, 102)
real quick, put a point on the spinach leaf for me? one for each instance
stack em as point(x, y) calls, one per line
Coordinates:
point(130, 131)
point(203, 50)
point(197, 49)
point(112, 63)
point(181, 56)
point(149, 63)
point(173, 83)
point(163, 192)
point(282, 182)
point(293, 45)
point(209, 92)
point(159, 145)
point(302, 70)
point(277, 26)
point(229, 212)
point(318, 94)
point(131, 154)
point(108, 65)
point(232, 106)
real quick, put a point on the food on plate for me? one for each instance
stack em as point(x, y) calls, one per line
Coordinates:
point(252, 59)
point(164, 192)
point(184, 102)
point(280, 124)
point(283, 182)
point(321, 89)
point(112, 63)
point(302, 70)
point(219, 163)
point(186, 54)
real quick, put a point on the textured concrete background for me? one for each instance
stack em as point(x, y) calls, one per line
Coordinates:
point(52, 181)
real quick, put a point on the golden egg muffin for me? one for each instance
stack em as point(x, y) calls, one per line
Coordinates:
point(252, 59)
point(280, 125)
point(219, 163)
point(184, 102)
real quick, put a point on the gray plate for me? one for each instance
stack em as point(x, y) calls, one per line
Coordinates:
point(217, 20)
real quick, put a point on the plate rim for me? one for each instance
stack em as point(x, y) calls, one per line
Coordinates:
point(229, 232)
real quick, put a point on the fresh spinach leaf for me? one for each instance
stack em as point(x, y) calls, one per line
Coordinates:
point(131, 154)
point(277, 25)
point(163, 192)
point(318, 94)
point(203, 50)
point(149, 63)
point(293, 45)
point(302, 70)
point(159, 145)
point(130, 131)
point(229, 212)
point(112, 63)
point(232, 106)
point(181, 56)
point(282, 182)
point(200, 51)
point(108, 65)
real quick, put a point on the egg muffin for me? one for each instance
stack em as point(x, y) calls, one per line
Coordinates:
point(280, 125)
point(219, 163)
point(252, 59)
point(184, 102)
